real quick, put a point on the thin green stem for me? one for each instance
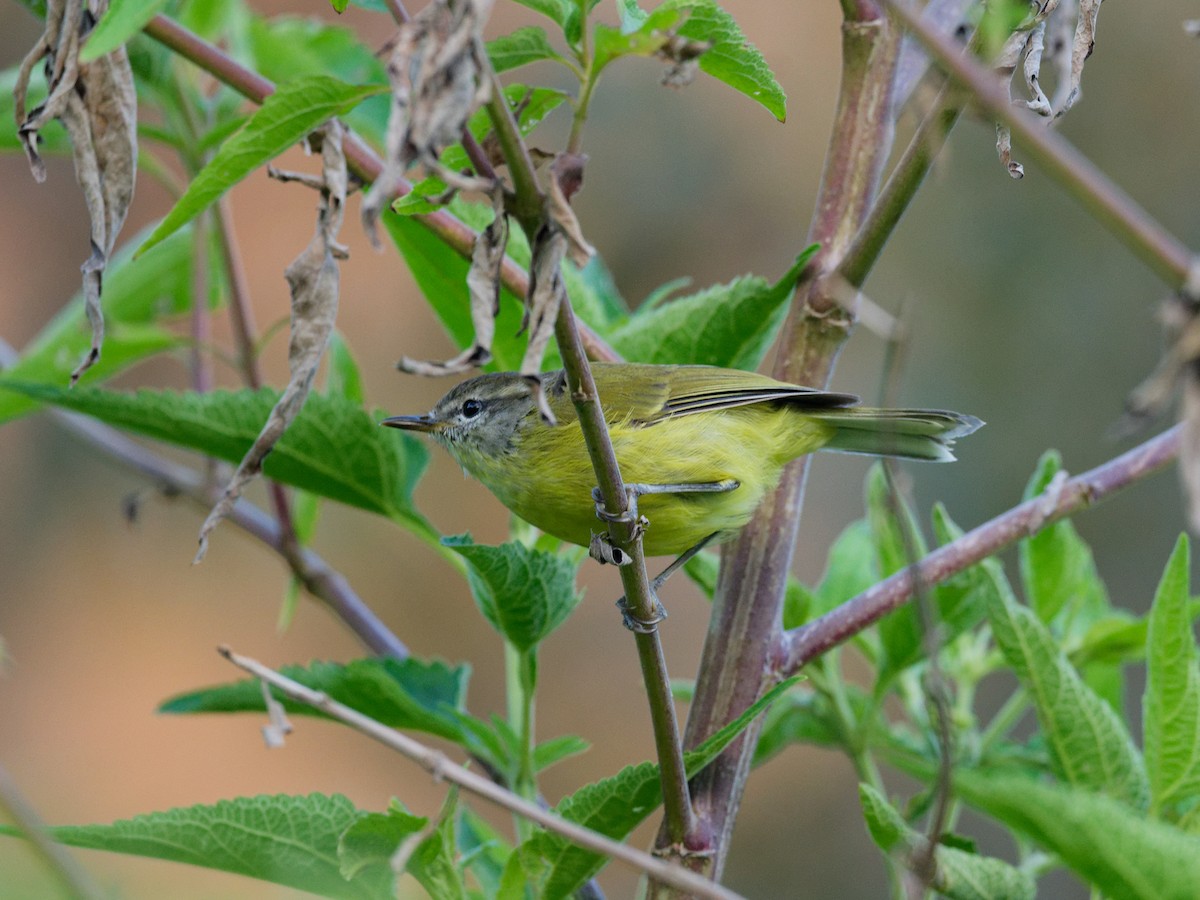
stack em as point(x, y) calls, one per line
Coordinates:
point(1006, 717)
point(519, 698)
point(678, 815)
point(582, 103)
point(73, 877)
point(528, 206)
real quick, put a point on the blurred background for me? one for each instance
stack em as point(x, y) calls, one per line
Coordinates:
point(1022, 311)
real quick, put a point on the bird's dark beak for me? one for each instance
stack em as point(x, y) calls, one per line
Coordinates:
point(426, 423)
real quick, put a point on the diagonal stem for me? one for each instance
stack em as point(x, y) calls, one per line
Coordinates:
point(801, 645)
point(529, 209)
point(1078, 175)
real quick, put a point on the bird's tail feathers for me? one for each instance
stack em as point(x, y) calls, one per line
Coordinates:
point(926, 434)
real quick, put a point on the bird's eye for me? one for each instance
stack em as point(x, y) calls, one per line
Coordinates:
point(471, 408)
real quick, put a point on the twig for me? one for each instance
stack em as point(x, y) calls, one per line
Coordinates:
point(801, 645)
point(241, 316)
point(897, 193)
point(318, 577)
point(921, 862)
point(529, 208)
point(362, 160)
point(1107, 203)
point(442, 769)
point(57, 858)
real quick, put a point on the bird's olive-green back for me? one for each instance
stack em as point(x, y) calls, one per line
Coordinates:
point(648, 394)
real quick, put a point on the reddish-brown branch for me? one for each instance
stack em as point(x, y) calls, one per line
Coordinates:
point(801, 645)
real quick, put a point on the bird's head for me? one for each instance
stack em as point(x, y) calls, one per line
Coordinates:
point(478, 418)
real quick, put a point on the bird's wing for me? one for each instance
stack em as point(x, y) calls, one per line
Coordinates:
point(663, 392)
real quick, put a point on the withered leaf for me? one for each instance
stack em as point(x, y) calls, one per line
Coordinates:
point(1061, 35)
point(438, 72)
point(97, 104)
point(483, 283)
point(313, 280)
point(546, 291)
point(566, 177)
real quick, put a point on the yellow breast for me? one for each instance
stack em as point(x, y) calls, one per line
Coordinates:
point(550, 481)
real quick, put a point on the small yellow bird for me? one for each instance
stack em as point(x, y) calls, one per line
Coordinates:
point(708, 443)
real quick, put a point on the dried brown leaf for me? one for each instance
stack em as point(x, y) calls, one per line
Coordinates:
point(1038, 101)
point(1004, 149)
point(483, 284)
point(97, 104)
point(438, 72)
point(1060, 30)
point(1081, 49)
point(313, 280)
point(683, 55)
point(566, 177)
point(546, 292)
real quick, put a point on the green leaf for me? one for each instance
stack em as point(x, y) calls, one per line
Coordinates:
point(1057, 568)
point(441, 274)
point(412, 694)
point(1120, 853)
point(959, 875)
point(731, 59)
point(137, 293)
point(557, 749)
point(485, 852)
point(804, 717)
point(292, 841)
point(285, 118)
point(344, 379)
point(373, 840)
point(887, 827)
point(284, 48)
point(556, 10)
point(1087, 740)
point(524, 593)
point(615, 806)
point(632, 15)
point(523, 46)
point(962, 599)
point(729, 325)
point(374, 837)
point(333, 448)
point(422, 199)
point(1172, 701)
point(123, 19)
point(433, 864)
point(646, 40)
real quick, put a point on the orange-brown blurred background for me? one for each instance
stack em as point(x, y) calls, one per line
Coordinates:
point(1023, 312)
